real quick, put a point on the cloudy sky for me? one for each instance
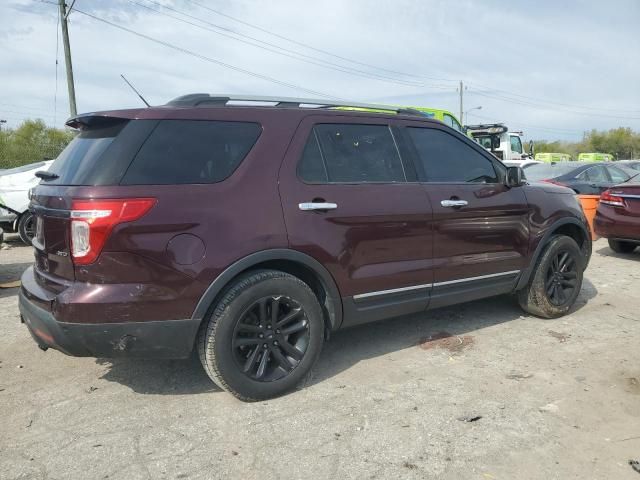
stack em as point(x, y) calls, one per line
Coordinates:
point(552, 69)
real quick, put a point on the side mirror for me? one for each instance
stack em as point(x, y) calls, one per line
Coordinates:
point(495, 142)
point(514, 177)
point(531, 149)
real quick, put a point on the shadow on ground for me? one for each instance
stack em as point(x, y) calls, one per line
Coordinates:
point(345, 349)
point(607, 252)
point(159, 377)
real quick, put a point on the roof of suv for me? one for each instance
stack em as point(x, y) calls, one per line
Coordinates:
point(197, 106)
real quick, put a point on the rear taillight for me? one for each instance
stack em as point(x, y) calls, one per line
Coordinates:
point(608, 198)
point(93, 220)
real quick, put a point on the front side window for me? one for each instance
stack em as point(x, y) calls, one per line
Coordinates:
point(191, 151)
point(351, 153)
point(516, 144)
point(445, 158)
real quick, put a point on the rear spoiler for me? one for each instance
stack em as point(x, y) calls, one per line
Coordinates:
point(93, 120)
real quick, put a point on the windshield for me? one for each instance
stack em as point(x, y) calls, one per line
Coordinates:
point(545, 171)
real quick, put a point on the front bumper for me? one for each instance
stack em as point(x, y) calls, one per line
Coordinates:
point(151, 339)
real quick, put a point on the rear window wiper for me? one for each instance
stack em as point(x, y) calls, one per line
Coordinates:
point(44, 175)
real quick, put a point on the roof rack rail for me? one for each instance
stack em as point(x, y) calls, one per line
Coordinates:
point(205, 99)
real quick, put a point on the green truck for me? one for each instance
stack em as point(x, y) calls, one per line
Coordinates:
point(444, 116)
point(595, 157)
point(548, 157)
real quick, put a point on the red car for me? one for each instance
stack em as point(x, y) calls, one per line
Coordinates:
point(618, 216)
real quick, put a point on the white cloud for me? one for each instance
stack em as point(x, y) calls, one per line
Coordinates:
point(584, 54)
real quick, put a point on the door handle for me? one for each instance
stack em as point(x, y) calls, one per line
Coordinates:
point(306, 206)
point(454, 203)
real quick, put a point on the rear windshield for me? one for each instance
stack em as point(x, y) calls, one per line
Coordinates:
point(148, 152)
point(544, 171)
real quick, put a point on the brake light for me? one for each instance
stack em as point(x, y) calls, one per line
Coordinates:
point(608, 198)
point(93, 220)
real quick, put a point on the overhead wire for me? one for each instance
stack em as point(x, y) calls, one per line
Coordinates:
point(319, 50)
point(204, 57)
point(271, 47)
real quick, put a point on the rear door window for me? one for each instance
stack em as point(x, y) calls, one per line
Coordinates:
point(445, 158)
point(351, 153)
point(617, 175)
point(191, 152)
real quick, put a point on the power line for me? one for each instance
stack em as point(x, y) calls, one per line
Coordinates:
point(310, 47)
point(204, 57)
point(23, 107)
point(599, 109)
point(271, 47)
point(537, 127)
point(543, 107)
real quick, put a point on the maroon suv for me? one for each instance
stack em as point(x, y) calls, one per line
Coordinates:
point(252, 232)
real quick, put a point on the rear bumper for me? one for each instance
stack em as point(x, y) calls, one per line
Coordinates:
point(610, 224)
point(153, 339)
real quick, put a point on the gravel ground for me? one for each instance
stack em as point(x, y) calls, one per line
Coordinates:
point(479, 391)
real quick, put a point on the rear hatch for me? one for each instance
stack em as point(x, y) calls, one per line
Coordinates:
point(91, 166)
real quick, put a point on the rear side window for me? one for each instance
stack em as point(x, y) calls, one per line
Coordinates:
point(191, 151)
point(351, 153)
point(445, 158)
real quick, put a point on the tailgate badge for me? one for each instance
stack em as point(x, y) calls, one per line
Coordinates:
point(62, 253)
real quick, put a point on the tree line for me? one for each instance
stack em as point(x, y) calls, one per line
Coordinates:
point(623, 143)
point(31, 142)
point(34, 141)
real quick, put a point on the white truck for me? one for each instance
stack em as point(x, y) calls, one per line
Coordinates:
point(504, 144)
point(15, 184)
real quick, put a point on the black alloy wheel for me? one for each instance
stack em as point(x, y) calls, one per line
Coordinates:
point(562, 278)
point(271, 338)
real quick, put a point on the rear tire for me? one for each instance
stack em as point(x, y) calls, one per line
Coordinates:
point(620, 246)
point(263, 337)
point(556, 280)
point(26, 227)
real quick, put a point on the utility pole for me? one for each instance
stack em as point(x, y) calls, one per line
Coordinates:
point(67, 58)
point(461, 110)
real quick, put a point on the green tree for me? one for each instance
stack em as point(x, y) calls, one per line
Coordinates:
point(31, 142)
point(622, 143)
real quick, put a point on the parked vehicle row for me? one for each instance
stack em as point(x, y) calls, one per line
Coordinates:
point(584, 178)
point(15, 184)
point(252, 232)
point(618, 216)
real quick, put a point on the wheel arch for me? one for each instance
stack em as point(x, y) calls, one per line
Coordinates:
point(571, 227)
point(296, 263)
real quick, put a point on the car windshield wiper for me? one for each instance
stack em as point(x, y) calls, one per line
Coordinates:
point(44, 175)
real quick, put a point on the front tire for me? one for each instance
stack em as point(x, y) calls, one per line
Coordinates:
point(263, 337)
point(620, 246)
point(556, 280)
point(26, 227)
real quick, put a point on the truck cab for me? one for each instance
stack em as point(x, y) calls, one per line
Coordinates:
point(500, 141)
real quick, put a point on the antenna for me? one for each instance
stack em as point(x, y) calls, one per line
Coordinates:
point(134, 89)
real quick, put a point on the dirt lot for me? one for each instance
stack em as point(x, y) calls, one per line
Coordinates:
point(476, 391)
